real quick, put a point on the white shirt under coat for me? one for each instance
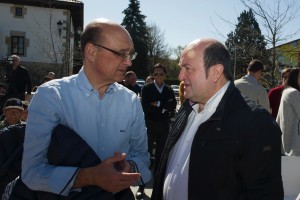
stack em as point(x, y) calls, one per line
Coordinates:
point(176, 179)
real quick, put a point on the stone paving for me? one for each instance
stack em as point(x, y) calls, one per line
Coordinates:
point(148, 189)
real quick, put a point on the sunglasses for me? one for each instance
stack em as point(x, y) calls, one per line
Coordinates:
point(158, 74)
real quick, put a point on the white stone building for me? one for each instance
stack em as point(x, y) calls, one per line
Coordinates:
point(45, 34)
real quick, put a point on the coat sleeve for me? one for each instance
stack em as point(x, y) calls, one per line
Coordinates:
point(260, 163)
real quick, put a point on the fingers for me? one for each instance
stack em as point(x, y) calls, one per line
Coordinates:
point(117, 157)
point(111, 176)
point(125, 177)
point(120, 165)
point(125, 180)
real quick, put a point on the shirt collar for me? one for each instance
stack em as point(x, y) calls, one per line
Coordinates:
point(251, 77)
point(213, 102)
point(86, 87)
point(158, 85)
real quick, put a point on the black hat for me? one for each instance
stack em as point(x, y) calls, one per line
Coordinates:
point(13, 103)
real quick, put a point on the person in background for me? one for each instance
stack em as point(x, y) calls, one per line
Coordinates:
point(19, 80)
point(91, 103)
point(12, 111)
point(250, 87)
point(51, 75)
point(25, 111)
point(149, 79)
point(2, 89)
point(181, 92)
point(3, 97)
point(222, 146)
point(11, 143)
point(275, 93)
point(159, 104)
point(288, 116)
point(46, 79)
point(130, 82)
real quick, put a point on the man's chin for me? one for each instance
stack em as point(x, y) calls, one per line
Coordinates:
point(120, 77)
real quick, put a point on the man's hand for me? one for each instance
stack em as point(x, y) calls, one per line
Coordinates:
point(122, 165)
point(111, 175)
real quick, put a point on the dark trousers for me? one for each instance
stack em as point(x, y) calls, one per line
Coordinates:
point(157, 132)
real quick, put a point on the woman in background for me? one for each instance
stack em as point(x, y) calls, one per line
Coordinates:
point(288, 116)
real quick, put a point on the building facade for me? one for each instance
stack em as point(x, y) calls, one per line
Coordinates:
point(288, 54)
point(44, 34)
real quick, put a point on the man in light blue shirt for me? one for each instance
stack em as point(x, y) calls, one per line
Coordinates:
point(106, 115)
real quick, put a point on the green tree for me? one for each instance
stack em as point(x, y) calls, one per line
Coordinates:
point(135, 24)
point(274, 18)
point(246, 43)
point(173, 63)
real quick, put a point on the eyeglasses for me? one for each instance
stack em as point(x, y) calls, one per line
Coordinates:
point(158, 74)
point(126, 56)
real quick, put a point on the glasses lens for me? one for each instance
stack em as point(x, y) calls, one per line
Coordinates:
point(133, 55)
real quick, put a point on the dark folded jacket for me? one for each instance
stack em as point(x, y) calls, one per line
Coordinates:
point(66, 148)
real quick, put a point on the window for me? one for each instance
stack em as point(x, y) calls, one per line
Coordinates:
point(17, 45)
point(18, 11)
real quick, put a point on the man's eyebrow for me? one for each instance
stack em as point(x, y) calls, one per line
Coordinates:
point(184, 65)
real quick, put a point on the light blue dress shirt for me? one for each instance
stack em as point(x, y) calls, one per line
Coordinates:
point(112, 123)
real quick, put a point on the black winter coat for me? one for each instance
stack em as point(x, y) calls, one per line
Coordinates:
point(67, 148)
point(235, 154)
point(167, 102)
point(11, 148)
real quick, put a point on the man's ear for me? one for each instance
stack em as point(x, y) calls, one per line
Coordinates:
point(90, 52)
point(216, 72)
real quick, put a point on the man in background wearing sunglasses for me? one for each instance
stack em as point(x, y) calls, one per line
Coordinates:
point(159, 104)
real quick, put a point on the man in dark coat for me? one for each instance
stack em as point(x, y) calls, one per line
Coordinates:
point(221, 146)
point(159, 104)
point(19, 79)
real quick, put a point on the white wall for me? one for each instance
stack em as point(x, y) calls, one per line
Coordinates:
point(36, 24)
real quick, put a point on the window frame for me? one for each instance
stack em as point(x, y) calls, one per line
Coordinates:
point(18, 11)
point(18, 45)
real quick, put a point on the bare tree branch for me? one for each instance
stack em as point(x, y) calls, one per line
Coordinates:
point(274, 18)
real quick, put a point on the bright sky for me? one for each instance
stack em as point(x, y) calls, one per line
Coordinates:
point(182, 21)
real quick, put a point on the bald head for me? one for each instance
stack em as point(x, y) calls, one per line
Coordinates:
point(200, 43)
point(103, 30)
point(212, 52)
